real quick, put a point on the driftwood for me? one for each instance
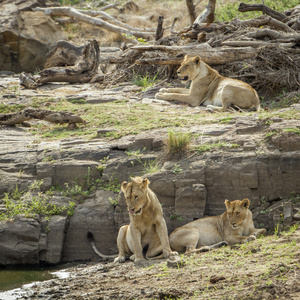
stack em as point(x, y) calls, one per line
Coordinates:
point(212, 56)
point(84, 17)
point(47, 115)
point(84, 64)
point(64, 54)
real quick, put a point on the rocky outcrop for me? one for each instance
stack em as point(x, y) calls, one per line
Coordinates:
point(188, 188)
point(24, 45)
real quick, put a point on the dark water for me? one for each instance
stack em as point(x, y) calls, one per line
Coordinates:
point(15, 278)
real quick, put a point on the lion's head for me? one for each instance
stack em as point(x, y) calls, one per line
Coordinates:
point(189, 68)
point(237, 212)
point(135, 194)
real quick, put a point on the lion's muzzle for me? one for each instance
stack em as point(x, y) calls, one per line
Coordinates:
point(132, 211)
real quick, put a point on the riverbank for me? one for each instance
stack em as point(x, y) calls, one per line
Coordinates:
point(266, 268)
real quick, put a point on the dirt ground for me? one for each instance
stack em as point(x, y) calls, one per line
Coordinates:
point(267, 268)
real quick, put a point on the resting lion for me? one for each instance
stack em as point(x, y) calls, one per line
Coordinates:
point(234, 226)
point(147, 225)
point(209, 88)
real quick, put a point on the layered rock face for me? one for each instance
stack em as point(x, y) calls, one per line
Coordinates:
point(189, 188)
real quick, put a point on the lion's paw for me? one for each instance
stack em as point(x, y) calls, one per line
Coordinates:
point(173, 253)
point(158, 95)
point(163, 90)
point(169, 253)
point(119, 259)
point(251, 238)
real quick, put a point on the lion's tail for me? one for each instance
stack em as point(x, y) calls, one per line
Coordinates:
point(90, 237)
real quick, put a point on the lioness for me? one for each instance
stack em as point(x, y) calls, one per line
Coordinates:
point(147, 225)
point(209, 88)
point(235, 225)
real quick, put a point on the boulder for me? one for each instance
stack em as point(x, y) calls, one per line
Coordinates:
point(20, 241)
point(96, 215)
point(23, 42)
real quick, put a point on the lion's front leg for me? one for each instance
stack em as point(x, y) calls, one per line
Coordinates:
point(175, 90)
point(238, 239)
point(122, 244)
point(185, 98)
point(258, 232)
point(161, 229)
point(134, 240)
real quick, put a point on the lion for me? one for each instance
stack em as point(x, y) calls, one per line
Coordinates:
point(234, 226)
point(147, 226)
point(209, 88)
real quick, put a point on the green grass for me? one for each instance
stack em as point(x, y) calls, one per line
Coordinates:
point(127, 118)
point(293, 130)
point(214, 146)
point(145, 81)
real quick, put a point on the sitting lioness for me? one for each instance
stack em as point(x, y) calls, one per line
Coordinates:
point(234, 226)
point(209, 88)
point(147, 225)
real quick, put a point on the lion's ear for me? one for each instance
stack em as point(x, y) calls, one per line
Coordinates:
point(145, 182)
point(246, 203)
point(123, 186)
point(197, 60)
point(186, 57)
point(227, 203)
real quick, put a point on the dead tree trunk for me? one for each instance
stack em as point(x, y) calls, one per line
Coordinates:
point(207, 16)
point(191, 9)
point(85, 68)
point(263, 8)
point(160, 29)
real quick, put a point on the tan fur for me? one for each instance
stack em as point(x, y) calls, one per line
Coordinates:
point(147, 224)
point(209, 88)
point(235, 225)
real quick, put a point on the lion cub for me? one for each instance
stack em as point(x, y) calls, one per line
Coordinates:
point(235, 225)
point(209, 88)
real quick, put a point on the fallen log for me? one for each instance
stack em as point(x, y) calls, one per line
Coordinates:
point(46, 115)
point(255, 44)
point(211, 56)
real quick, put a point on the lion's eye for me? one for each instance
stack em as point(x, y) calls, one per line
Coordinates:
point(135, 197)
point(237, 213)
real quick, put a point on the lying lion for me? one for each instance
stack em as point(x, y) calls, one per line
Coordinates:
point(209, 88)
point(147, 225)
point(234, 226)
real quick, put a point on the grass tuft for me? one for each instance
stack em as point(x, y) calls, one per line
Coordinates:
point(178, 142)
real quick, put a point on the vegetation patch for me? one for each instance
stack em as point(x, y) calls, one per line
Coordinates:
point(32, 202)
point(214, 146)
point(178, 142)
